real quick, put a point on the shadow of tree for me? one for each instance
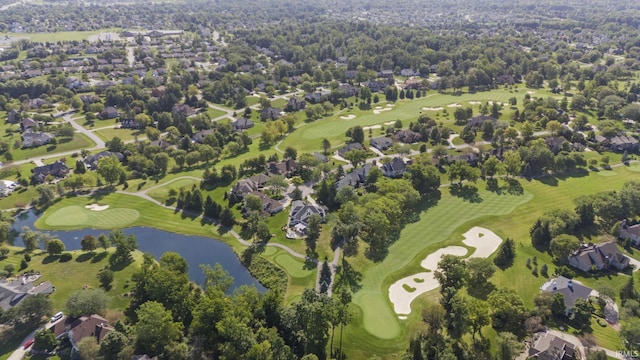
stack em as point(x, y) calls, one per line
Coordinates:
point(86, 256)
point(99, 257)
point(466, 192)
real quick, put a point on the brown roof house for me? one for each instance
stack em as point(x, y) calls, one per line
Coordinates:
point(285, 167)
point(598, 257)
point(76, 329)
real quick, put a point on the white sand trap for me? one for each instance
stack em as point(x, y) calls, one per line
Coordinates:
point(348, 117)
point(433, 108)
point(456, 105)
point(378, 107)
point(378, 111)
point(484, 240)
point(497, 102)
point(531, 92)
point(96, 207)
point(372, 127)
point(390, 123)
point(475, 102)
point(391, 105)
point(405, 290)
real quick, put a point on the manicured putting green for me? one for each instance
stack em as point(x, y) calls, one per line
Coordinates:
point(269, 250)
point(376, 304)
point(292, 266)
point(75, 215)
point(634, 167)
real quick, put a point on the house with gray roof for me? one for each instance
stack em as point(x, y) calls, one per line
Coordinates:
point(570, 290)
point(632, 232)
point(598, 257)
point(58, 170)
point(35, 139)
point(242, 124)
point(381, 143)
point(396, 167)
point(300, 214)
point(92, 161)
point(349, 147)
point(356, 178)
point(550, 347)
point(14, 292)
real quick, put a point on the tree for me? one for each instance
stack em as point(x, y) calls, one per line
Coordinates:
point(314, 227)
point(630, 332)
point(628, 291)
point(563, 245)
point(277, 183)
point(581, 314)
point(110, 169)
point(155, 329)
point(356, 157)
point(424, 178)
point(87, 302)
point(44, 340)
point(55, 247)
point(507, 310)
point(557, 305)
point(491, 166)
point(306, 324)
point(452, 272)
point(89, 243)
point(506, 254)
point(88, 348)
point(326, 145)
point(115, 144)
point(105, 276)
point(112, 344)
point(512, 163)
point(357, 134)
point(480, 271)
point(508, 346)
point(104, 241)
point(29, 313)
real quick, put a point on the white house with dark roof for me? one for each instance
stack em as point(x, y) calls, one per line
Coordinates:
point(396, 167)
point(599, 257)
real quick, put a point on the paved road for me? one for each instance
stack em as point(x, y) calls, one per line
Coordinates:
point(20, 352)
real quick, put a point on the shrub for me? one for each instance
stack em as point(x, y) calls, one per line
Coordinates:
point(23, 264)
point(27, 257)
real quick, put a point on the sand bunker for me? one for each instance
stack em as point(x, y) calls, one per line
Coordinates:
point(391, 105)
point(475, 102)
point(433, 108)
point(483, 240)
point(456, 105)
point(390, 123)
point(378, 111)
point(348, 117)
point(372, 127)
point(497, 102)
point(96, 207)
point(531, 92)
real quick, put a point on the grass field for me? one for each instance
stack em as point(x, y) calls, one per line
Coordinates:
point(75, 216)
point(124, 134)
point(215, 113)
point(308, 137)
point(79, 141)
point(292, 266)
point(60, 36)
point(434, 228)
point(161, 193)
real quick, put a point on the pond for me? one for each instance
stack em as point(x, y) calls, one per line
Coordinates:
point(195, 250)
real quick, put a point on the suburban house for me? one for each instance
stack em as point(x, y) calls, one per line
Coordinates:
point(300, 214)
point(200, 135)
point(630, 231)
point(12, 293)
point(28, 123)
point(184, 109)
point(550, 347)
point(570, 291)
point(13, 117)
point(619, 143)
point(109, 113)
point(407, 136)
point(396, 167)
point(161, 143)
point(248, 185)
point(349, 147)
point(270, 113)
point(242, 124)
point(295, 104)
point(58, 170)
point(269, 205)
point(354, 178)
point(321, 157)
point(599, 257)
point(317, 97)
point(470, 158)
point(7, 187)
point(76, 329)
point(477, 121)
point(130, 124)
point(285, 167)
point(92, 161)
point(381, 143)
point(35, 139)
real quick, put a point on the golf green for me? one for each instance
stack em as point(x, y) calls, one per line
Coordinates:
point(292, 266)
point(78, 216)
point(634, 167)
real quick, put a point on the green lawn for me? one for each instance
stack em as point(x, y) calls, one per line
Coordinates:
point(215, 113)
point(123, 134)
point(79, 141)
point(75, 216)
point(161, 193)
point(60, 36)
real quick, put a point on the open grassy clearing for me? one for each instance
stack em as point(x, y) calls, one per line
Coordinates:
point(60, 36)
point(75, 216)
point(78, 142)
point(214, 113)
point(161, 193)
point(124, 134)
